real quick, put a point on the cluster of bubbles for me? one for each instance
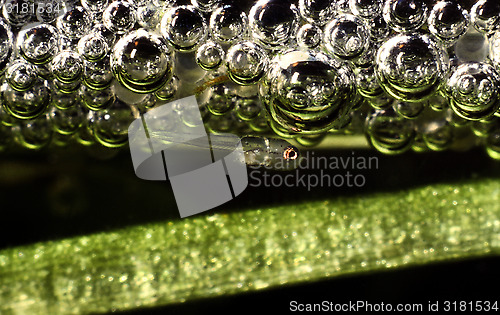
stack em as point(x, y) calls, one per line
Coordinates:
point(82, 71)
point(410, 74)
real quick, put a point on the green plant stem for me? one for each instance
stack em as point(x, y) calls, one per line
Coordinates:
point(207, 256)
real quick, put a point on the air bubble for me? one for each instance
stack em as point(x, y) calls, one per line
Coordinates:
point(64, 100)
point(61, 140)
point(209, 56)
point(127, 96)
point(21, 75)
point(438, 102)
point(38, 43)
point(448, 21)
point(74, 23)
point(228, 24)
point(260, 123)
point(411, 67)
point(409, 110)
point(141, 61)
point(473, 89)
point(404, 15)
point(309, 36)
point(346, 37)
point(119, 17)
point(438, 135)
point(307, 92)
point(317, 12)
point(84, 136)
point(273, 23)
point(217, 99)
point(35, 134)
point(66, 121)
point(191, 118)
point(389, 133)
point(93, 47)
point(311, 141)
point(183, 27)
point(110, 126)
point(66, 87)
point(246, 62)
point(367, 9)
point(367, 83)
point(149, 16)
point(168, 91)
point(97, 100)
point(67, 66)
point(241, 126)
point(27, 104)
point(97, 75)
point(484, 128)
point(221, 124)
point(149, 102)
point(485, 16)
point(247, 108)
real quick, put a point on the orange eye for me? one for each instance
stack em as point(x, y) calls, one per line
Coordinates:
point(290, 153)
